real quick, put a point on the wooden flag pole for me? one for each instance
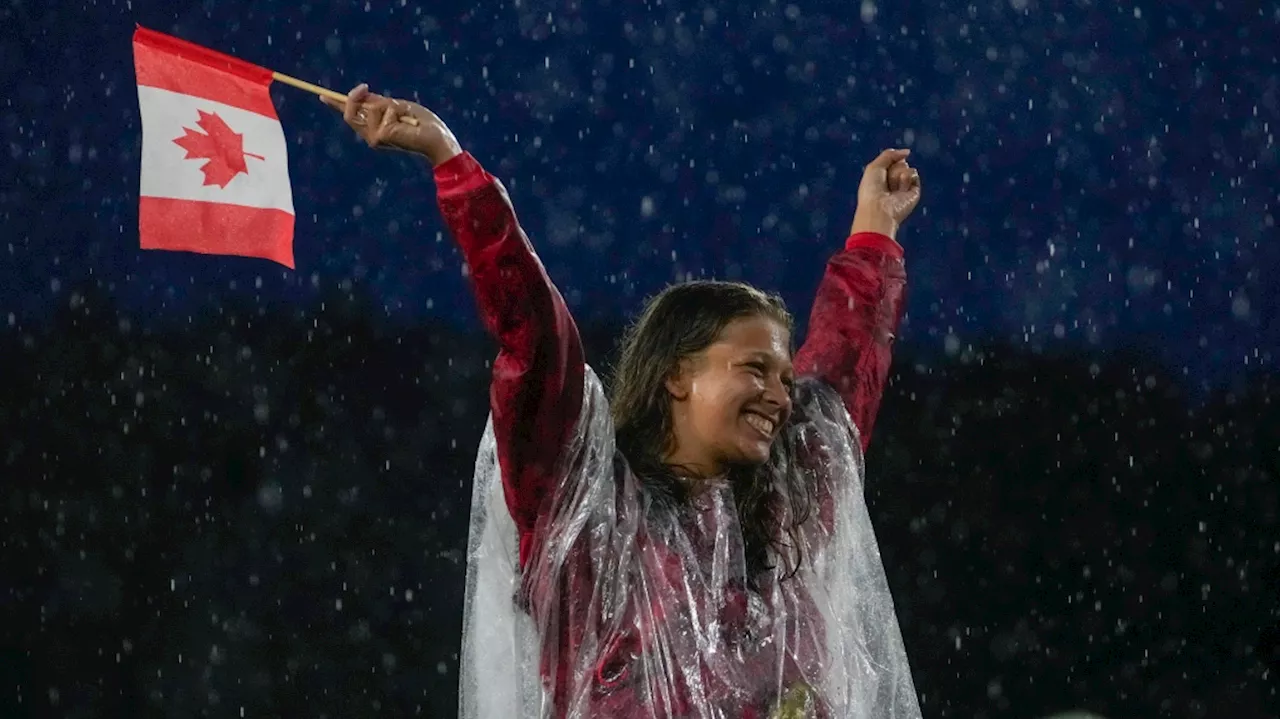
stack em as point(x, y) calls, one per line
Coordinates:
point(325, 92)
point(304, 85)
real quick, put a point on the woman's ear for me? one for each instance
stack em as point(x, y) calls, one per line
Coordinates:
point(678, 382)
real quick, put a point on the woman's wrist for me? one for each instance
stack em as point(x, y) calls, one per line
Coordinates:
point(871, 221)
point(440, 155)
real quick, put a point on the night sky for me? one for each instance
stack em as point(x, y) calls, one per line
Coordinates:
point(1098, 175)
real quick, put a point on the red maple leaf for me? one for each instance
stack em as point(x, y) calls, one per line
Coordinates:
point(221, 146)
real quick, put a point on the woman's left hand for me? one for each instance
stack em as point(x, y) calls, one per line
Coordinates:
point(888, 194)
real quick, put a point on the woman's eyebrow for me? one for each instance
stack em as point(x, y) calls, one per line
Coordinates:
point(769, 357)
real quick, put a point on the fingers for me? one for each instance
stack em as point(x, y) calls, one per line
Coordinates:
point(366, 113)
point(908, 195)
point(876, 178)
point(903, 177)
point(899, 175)
point(886, 159)
point(909, 178)
point(386, 124)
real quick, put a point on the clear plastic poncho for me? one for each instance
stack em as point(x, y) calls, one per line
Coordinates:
point(624, 610)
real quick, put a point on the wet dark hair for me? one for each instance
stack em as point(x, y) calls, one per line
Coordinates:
point(680, 322)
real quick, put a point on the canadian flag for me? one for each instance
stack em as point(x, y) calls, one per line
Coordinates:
point(215, 167)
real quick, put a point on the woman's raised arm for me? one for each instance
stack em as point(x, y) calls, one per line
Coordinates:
point(859, 302)
point(536, 392)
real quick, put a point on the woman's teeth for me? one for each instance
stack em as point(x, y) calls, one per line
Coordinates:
point(760, 423)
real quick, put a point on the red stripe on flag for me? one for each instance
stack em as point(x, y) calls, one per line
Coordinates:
point(213, 228)
point(176, 65)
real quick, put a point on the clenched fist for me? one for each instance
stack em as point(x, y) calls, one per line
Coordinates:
point(887, 195)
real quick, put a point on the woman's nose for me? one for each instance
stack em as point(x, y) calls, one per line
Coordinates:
point(777, 394)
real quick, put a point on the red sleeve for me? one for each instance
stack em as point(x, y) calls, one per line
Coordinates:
point(536, 392)
point(853, 323)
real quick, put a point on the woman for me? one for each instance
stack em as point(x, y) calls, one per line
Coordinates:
point(697, 545)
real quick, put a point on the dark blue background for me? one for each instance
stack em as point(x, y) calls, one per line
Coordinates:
point(1098, 174)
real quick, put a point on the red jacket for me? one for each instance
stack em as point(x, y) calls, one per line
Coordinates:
point(537, 386)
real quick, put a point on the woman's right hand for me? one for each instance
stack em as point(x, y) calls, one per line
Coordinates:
point(381, 122)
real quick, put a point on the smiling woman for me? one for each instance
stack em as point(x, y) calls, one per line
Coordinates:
point(697, 545)
point(703, 388)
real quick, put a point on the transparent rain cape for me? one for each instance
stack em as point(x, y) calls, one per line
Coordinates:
point(627, 610)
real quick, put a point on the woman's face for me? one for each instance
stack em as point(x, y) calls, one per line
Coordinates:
point(731, 400)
